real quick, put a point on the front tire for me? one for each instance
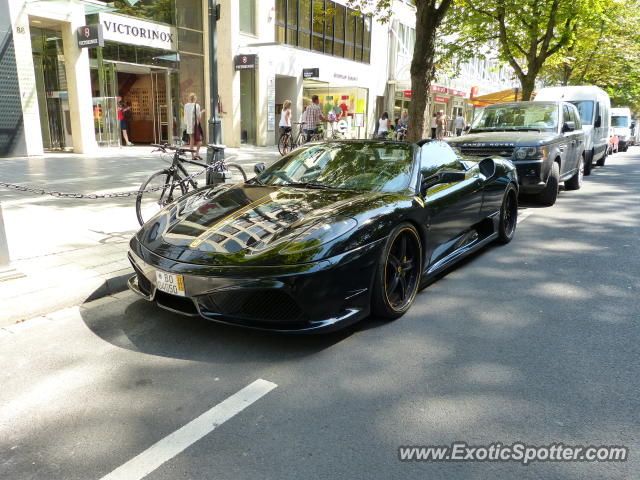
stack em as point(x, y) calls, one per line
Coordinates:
point(284, 144)
point(398, 274)
point(588, 164)
point(600, 162)
point(150, 203)
point(508, 216)
point(575, 182)
point(550, 193)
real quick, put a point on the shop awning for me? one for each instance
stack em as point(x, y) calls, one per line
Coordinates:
point(503, 96)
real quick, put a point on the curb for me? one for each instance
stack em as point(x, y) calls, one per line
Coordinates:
point(109, 287)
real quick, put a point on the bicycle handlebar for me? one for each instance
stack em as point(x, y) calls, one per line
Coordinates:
point(166, 146)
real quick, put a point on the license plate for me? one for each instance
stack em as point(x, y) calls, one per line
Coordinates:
point(170, 283)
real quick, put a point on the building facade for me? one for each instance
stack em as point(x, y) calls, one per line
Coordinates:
point(151, 55)
point(276, 50)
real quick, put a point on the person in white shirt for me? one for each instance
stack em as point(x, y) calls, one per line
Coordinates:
point(285, 117)
point(460, 124)
point(384, 124)
point(433, 125)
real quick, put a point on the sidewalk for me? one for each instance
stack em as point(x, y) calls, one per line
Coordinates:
point(71, 250)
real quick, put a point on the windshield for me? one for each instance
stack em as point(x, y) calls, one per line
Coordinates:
point(539, 117)
point(373, 166)
point(619, 121)
point(585, 107)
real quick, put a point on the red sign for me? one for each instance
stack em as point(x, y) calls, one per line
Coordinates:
point(438, 89)
point(407, 94)
point(458, 93)
point(474, 92)
point(440, 99)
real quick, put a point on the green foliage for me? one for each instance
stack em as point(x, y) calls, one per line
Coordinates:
point(605, 52)
point(527, 33)
point(156, 10)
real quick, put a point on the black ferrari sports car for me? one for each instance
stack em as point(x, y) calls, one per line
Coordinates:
point(327, 235)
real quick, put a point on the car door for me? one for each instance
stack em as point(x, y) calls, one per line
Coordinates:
point(569, 161)
point(452, 208)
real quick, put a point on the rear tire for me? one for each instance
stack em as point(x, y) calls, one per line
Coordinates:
point(575, 182)
point(399, 272)
point(508, 216)
point(600, 162)
point(550, 193)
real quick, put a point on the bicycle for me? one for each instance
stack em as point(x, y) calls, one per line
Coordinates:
point(288, 142)
point(162, 187)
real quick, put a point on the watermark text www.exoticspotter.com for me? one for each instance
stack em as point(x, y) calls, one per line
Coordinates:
point(515, 452)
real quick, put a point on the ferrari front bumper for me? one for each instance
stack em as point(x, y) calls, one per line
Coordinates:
point(321, 296)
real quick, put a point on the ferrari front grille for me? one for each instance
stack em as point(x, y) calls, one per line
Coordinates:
point(265, 304)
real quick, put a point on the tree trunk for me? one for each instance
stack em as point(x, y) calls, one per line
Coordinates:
point(421, 68)
point(528, 83)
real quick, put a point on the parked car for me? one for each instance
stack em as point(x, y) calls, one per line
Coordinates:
point(327, 235)
point(543, 139)
point(621, 123)
point(594, 106)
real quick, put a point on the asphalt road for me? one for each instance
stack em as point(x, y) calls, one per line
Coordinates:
point(536, 341)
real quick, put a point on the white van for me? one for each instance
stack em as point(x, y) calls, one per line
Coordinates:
point(594, 105)
point(621, 124)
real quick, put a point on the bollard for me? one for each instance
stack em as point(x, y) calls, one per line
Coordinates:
point(215, 153)
point(6, 272)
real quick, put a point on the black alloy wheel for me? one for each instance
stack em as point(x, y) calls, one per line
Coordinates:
point(399, 273)
point(508, 216)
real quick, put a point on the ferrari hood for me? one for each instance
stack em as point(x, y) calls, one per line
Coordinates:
point(250, 224)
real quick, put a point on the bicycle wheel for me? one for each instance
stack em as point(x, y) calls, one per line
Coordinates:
point(284, 144)
point(237, 173)
point(150, 203)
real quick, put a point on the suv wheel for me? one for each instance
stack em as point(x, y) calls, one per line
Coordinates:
point(575, 182)
point(588, 163)
point(549, 195)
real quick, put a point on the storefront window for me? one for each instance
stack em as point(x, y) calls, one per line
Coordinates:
point(307, 24)
point(348, 103)
point(248, 16)
point(190, 41)
point(189, 14)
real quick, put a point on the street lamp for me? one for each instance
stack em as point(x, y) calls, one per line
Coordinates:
point(215, 149)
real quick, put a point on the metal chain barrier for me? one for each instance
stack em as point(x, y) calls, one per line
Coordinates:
point(93, 196)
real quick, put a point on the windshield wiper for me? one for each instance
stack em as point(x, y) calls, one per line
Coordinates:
point(319, 186)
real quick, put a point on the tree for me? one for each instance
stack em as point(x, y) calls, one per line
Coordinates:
point(527, 32)
point(429, 16)
point(606, 53)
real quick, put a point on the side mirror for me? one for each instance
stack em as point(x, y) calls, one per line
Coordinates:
point(598, 122)
point(568, 127)
point(259, 168)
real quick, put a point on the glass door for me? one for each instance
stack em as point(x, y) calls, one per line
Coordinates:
point(51, 89)
point(160, 88)
point(105, 110)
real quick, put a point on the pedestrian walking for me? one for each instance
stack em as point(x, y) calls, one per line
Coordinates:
point(193, 124)
point(123, 122)
point(285, 117)
point(433, 125)
point(460, 124)
point(441, 125)
point(311, 117)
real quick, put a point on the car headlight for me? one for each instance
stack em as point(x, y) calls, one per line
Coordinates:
point(319, 233)
point(523, 153)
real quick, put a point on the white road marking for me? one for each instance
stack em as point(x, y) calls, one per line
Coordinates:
point(171, 445)
point(522, 216)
